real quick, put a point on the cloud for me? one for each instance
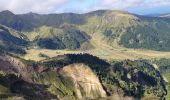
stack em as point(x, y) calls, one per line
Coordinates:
point(39, 6)
point(108, 2)
point(124, 4)
point(52, 6)
point(158, 3)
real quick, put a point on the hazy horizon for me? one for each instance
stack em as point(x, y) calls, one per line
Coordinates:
point(154, 14)
point(142, 7)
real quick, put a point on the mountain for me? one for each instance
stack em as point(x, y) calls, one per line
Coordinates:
point(29, 21)
point(81, 76)
point(46, 33)
point(132, 31)
point(125, 29)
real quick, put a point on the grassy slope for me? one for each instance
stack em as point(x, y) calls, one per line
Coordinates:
point(64, 37)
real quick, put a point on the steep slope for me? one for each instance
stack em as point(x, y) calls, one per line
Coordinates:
point(86, 82)
point(12, 41)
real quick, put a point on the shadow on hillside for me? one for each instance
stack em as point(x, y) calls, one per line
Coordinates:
point(29, 91)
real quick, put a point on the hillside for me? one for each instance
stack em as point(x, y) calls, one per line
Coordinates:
point(65, 37)
point(12, 41)
point(130, 30)
point(78, 76)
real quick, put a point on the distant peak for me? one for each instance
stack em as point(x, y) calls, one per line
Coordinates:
point(7, 12)
point(97, 12)
point(101, 12)
point(165, 15)
point(32, 13)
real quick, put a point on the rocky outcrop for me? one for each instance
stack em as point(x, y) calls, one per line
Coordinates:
point(85, 81)
point(14, 65)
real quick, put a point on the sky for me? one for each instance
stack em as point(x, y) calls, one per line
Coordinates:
point(82, 6)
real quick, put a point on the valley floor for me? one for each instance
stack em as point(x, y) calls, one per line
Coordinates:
point(102, 50)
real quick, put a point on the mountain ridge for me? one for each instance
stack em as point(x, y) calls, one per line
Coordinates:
point(126, 29)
